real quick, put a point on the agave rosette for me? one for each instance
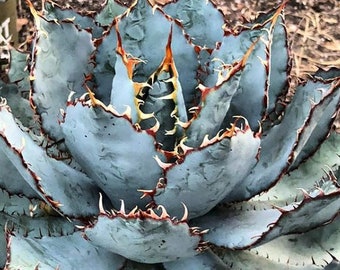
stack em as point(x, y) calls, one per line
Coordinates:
point(153, 136)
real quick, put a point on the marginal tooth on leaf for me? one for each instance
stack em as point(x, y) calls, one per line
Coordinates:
point(186, 213)
point(79, 227)
point(101, 207)
point(70, 96)
point(205, 141)
point(146, 192)
point(153, 214)
point(181, 147)
point(322, 193)
point(305, 193)
point(164, 212)
point(171, 132)
point(204, 231)
point(133, 211)
point(282, 210)
point(122, 208)
point(113, 213)
point(162, 164)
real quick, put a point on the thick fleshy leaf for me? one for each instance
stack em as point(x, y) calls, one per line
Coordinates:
point(53, 11)
point(209, 174)
point(65, 252)
point(112, 152)
point(200, 20)
point(66, 189)
point(111, 10)
point(212, 111)
point(205, 261)
point(278, 144)
point(241, 228)
point(247, 260)
point(18, 71)
point(31, 217)
point(162, 102)
point(319, 123)
point(104, 71)
point(144, 31)
point(10, 94)
point(57, 76)
point(144, 236)
point(309, 248)
point(325, 159)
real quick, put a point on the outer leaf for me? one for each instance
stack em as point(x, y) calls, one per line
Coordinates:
point(53, 11)
point(49, 253)
point(206, 261)
point(277, 145)
point(310, 247)
point(110, 11)
point(141, 238)
point(209, 174)
point(326, 158)
point(239, 229)
point(112, 152)
point(56, 76)
point(247, 260)
point(200, 20)
point(68, 190)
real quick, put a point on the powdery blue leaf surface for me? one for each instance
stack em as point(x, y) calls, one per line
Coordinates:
point(144, 31)
point(143, 236)
point(277, 145)
point(248, 260)
point(205, 261)
point(209, 174)
point(104, 70)
point(18, 71)
point(65, 252)
point(305, 248)
point(312, 171)
point(57, 76)
point(66, 189)
point(55, 12)
point(239, 228)
point(200, 19)
point(111, 10)
point(112, 152)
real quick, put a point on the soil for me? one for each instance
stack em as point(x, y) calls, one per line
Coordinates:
point(312, 26)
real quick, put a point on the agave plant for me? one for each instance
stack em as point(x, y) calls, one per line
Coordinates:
point(155, 137)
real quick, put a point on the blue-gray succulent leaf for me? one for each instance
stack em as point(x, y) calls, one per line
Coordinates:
point(20, 105)
point(104, 70)
point(56, 77)
point(203, 261)
point(64, 252)
point(18, 72)
point(55, 12)
point(240, 229)
point(319, 123)
point(277, 146)
point(326, 158)
point(64, 188)
point(316, 248)
point(200, 20)
point(330, 74)
point(141, 28)
point(162, 102)
point(31, 217)
point(268, 260)
point(110, 11)
point(120, 158)
point(144, 236)
point(208, 174)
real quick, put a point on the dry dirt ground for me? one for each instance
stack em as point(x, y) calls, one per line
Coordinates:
point(313, 26)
